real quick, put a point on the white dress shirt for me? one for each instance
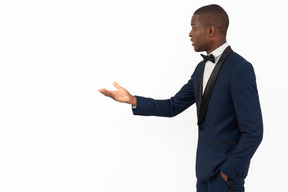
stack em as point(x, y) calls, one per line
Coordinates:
point(209, 66)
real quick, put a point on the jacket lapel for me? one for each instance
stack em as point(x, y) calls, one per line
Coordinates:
point(203, 100)
point(200, 88)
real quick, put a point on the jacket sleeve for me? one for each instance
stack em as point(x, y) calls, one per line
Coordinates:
point(169, 107)
point(248, 113)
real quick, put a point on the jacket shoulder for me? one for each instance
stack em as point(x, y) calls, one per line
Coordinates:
point(236, 57)
point(235, 61)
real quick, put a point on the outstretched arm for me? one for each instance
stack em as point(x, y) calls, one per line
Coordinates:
point(120, 95)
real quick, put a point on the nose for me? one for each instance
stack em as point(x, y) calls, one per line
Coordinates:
point(190, 34)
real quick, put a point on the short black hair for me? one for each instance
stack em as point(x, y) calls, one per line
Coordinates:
point(213, 15)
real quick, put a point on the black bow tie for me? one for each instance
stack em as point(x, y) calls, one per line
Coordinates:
point(208, 58)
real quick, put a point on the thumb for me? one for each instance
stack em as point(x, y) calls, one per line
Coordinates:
point(116, 85)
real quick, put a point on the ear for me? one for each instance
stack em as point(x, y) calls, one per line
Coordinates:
point(211, 31)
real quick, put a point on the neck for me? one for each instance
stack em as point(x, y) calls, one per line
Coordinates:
point(215, 45)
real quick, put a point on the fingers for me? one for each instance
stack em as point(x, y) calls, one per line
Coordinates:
point(224, 176)
point(105, 92)
point(114, 94)
point(117, 85)
point(102, 91)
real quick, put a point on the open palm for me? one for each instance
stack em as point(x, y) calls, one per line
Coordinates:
point(120, 95)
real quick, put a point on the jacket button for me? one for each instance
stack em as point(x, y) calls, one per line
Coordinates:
point(201, 128)
point(237, 175)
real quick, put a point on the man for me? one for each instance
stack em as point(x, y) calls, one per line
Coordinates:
point(223, 86)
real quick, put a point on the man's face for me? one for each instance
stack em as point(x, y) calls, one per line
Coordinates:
point(198, 34)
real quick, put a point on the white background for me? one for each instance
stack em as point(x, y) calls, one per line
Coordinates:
point(57, 133)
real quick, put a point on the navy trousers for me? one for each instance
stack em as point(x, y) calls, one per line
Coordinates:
point(218, 184)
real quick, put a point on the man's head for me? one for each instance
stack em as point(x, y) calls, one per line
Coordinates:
point(209, 28)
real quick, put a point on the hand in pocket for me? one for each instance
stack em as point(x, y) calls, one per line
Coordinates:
point(225, 177)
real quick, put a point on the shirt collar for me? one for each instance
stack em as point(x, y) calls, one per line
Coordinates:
point(218, 52)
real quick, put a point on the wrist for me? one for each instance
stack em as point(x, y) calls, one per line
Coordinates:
point(133, 100)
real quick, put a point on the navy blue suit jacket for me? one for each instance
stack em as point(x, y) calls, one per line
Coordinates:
point(231, 128)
